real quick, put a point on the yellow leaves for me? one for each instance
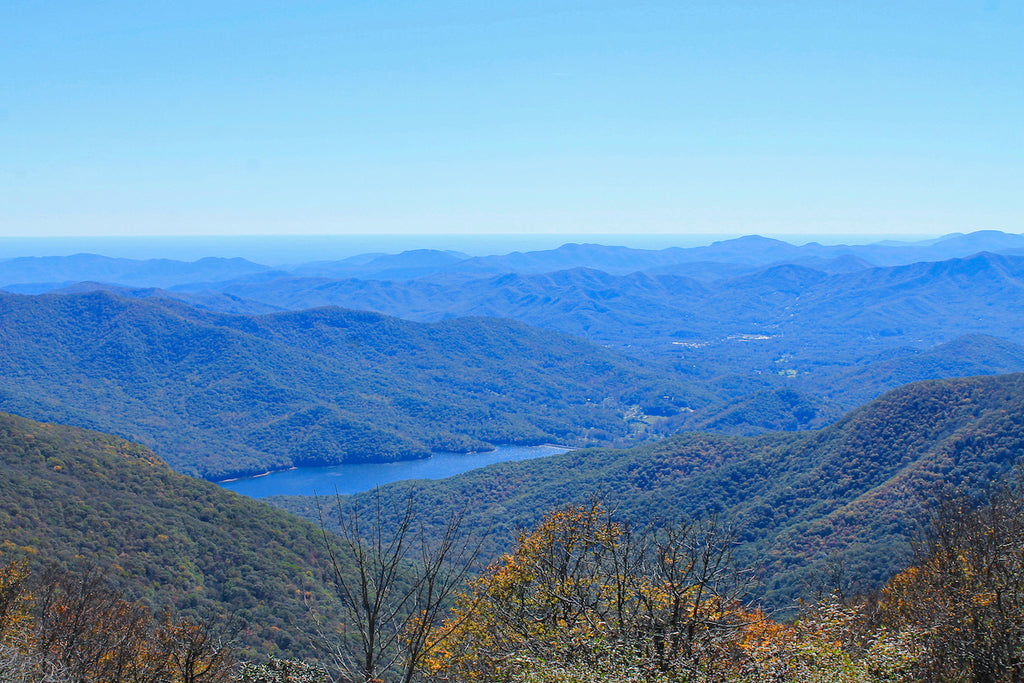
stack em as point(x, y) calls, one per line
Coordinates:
point(19, 549)
point(526, 599)
point(78, 627)
point(14, 601)
point(579, 588)
point(564, 606)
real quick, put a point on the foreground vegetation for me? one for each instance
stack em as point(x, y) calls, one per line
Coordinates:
point(583, 597)
point(114, 564)
point(68, 627)
point(801, 500)
point(73, 498)
point(72, 627)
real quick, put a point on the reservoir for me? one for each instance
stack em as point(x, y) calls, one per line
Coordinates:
point(345, 479)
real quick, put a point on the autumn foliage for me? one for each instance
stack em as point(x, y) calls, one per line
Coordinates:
point(585, 598)
point(584, 592)
point(72, 628)
point(962, 604)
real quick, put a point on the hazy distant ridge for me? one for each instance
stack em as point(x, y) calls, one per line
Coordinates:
point(751, 251)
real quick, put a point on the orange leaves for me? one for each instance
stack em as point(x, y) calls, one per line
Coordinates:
point(586, 591)
point(14, 601)
point(78, 628)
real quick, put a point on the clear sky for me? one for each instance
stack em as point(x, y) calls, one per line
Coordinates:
point(354, 117)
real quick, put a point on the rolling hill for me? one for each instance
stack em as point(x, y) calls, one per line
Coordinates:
point(31, 274)
point(725, 258)
point(834, 314)
point(220, 394)
point(81, 499)
point(852, 490)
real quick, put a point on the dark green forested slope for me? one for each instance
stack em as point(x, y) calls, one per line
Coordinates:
point(78, 498)
point(852, 489)
point(219, 394)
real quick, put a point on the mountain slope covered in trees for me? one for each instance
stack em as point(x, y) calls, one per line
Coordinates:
point(849, 492)
point(220, 394)
point(747, 336)
point(792, 306)
point(81, 499)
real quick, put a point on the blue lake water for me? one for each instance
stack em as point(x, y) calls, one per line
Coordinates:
point(307, 481)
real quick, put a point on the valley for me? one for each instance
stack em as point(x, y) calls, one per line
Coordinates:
point(223, 395)
point(817, 407)
point(224, 384)
point(359, 477)
point(511, 342)
point(852, 492)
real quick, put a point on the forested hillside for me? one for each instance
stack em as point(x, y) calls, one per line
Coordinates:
point(741, 337)
point(795, 507)
point(80, 500)
point(795, 306)
point(220, 394)
point(850, 492)
point(836, 336)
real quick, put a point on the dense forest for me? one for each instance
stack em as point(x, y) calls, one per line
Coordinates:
point(85, 501)
point(851, 492)
point(581, 596)
point(728, 513)
point(793, 305)
point(685, 567)
point(741, 337)
point(221, 395)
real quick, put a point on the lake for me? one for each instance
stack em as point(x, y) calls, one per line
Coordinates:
point(305, 481)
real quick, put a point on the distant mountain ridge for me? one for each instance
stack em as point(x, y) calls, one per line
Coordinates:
point(221, 395)
point(33, 275)
point(206, 301)
point(38, 274)
point(723, 345)
point(407, 265)
point(923, 303)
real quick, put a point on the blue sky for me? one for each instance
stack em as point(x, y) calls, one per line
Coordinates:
point(556, 117)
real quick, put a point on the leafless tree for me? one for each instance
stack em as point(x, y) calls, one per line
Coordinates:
point(86, 629)
point(195, 652)
point(395, 585)
point(701, 586)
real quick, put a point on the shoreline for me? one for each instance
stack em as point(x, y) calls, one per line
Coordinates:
point(387, 462)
